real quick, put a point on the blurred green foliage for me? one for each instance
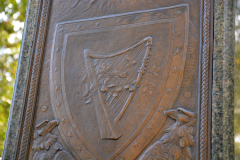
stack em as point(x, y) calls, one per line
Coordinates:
point(12, 17)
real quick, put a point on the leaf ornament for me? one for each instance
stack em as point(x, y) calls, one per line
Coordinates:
point(130, 61)
point(147, 86)
point(154, 70)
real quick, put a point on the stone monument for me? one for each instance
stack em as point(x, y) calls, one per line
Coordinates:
point(115, 79)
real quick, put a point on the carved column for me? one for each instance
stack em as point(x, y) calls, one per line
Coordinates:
point(223, 81)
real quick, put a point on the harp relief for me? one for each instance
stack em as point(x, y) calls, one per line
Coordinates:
point(115, 77)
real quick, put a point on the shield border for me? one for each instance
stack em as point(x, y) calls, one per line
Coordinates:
point(55, 88)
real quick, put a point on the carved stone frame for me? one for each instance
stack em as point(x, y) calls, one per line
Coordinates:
point(22, 136)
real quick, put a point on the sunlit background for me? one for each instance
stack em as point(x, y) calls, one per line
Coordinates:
point(237, 82)
point(12, 16)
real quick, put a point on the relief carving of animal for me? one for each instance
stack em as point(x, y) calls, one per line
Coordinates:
point(45, 145)
point(178, 139)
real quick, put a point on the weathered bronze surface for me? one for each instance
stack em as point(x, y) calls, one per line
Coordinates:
point(120, 79)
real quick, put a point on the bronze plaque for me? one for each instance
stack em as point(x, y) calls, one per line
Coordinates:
point(120, 79)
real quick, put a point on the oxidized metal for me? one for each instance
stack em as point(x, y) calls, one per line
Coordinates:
point(120, 86)
point(120, 80)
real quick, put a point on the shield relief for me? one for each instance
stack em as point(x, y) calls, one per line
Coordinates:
point(118, 79)
point(112, 78)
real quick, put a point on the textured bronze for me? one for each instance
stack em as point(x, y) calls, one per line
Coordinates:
point(177, 140)
point(45, 145)
point(119, 80)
